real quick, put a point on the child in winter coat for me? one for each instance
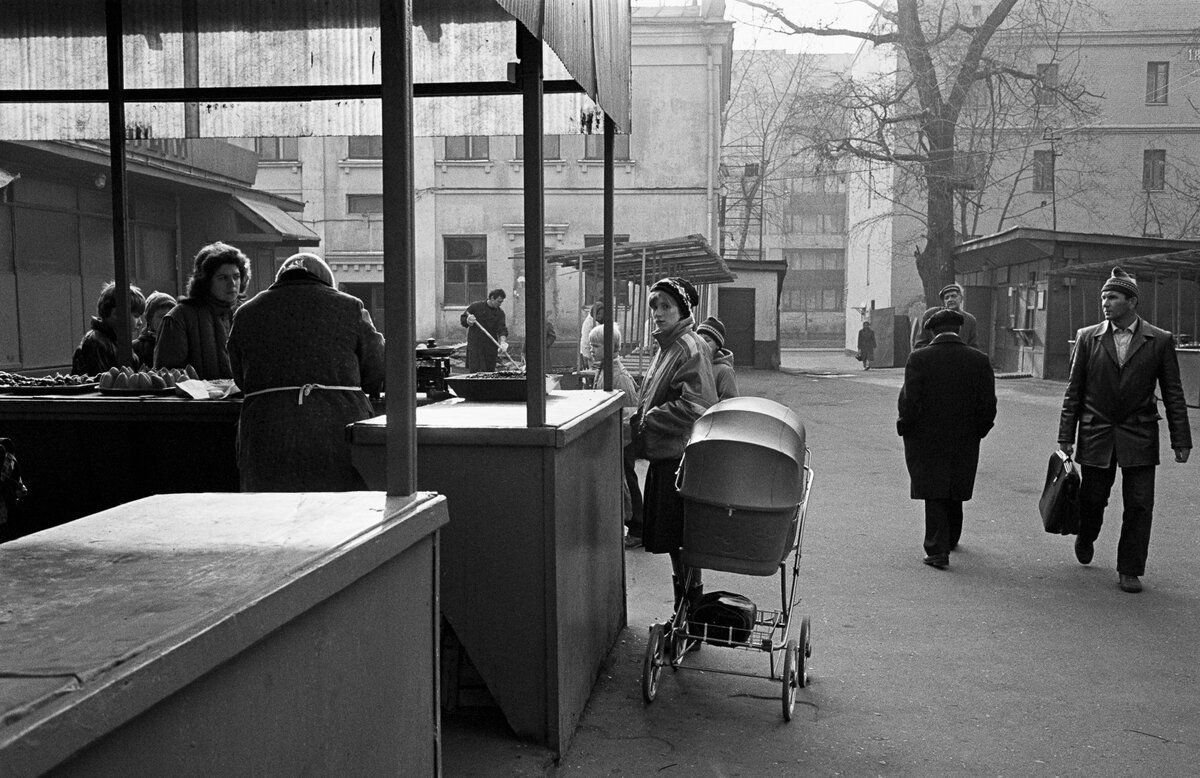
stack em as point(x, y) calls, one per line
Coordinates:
point(712, 330)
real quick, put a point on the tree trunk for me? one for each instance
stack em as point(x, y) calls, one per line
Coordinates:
point(935, 262)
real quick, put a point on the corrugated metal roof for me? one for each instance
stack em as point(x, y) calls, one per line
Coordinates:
point(690, 257)
point(1187, 262)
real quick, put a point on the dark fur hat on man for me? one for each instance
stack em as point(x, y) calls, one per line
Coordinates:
point(944, 320)
point(1121, 282)
point(681, 291)
point(713, 328)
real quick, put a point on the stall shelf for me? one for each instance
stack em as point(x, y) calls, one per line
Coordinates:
point(182, 634)
point(532, 579)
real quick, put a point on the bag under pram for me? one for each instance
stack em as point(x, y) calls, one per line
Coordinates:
point(742, 480)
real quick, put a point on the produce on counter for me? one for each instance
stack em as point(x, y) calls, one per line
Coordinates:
point(160, 378)
point(49, 381)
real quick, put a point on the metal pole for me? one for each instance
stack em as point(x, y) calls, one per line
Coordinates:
point(644, 335)
point(399, 247)
point(529, 52)
point(609, 261)
point(115, 30)
point(1154, 283)
point(1178, 300)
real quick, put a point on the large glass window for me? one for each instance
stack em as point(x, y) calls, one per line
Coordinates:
point(277, 149)
point(551, 147)
point(467, 147)
point(1154, 169)
point(365, 147)
point(1157, 74)
point(465, 269)
point(593, 147)
point(364, 203)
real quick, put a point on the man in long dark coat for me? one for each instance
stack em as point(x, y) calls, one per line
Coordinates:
point(947, 405)
point(1110, 398)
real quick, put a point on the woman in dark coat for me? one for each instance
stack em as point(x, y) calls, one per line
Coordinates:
point(305, 355)
point(866, 345)
point(196, 330)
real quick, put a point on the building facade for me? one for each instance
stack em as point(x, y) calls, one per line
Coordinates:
point(469, 207)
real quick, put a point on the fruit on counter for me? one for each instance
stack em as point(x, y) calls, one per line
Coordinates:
point(156, 378)
point(192, 374)
point(58, 379)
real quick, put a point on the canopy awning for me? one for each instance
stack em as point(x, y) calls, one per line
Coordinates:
point(276, 224)
point(690, 257)
point(1172, 262)
point(1018, 245)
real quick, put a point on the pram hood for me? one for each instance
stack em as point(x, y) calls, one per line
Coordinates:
point(745, 452)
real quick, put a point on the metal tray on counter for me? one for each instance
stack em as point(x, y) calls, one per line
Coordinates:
point(50, 389)
point(495, 387)
point(113, 391)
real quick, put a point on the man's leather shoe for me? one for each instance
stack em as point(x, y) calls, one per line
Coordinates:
point(1083, 550)
point(1130, 583)
point(940, 561)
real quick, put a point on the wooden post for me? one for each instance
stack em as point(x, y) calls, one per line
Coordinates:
point(114, 40)
point(529, 52)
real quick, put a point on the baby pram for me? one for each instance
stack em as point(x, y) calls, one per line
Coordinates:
point(745, 480)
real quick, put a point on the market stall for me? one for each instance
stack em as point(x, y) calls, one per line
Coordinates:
point(532, 578)
point(202, 634)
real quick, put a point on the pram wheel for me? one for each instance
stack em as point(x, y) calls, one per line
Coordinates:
point(791, 657)
point(652, 667)
point(805, 650)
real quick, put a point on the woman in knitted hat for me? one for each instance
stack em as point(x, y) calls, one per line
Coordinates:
point(306, 356)
point(677, 388)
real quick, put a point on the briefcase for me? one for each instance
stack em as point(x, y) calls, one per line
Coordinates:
point(1059, 504)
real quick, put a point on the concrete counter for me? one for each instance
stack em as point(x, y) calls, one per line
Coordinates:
point(219, 634)
point(532, 576)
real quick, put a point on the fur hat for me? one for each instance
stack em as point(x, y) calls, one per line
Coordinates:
point(309, 263)
point(944, 319)
point(681, 291)
point(713, 328)
point(950, 288)
point(1121, 282)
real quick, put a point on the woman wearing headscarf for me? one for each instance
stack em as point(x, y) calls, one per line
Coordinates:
point(196, 330)
point(678, 387)
point(306, 356)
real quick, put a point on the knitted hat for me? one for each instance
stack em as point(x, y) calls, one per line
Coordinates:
point(713, 328)
point(157, 301)
point(949, 288)
point(681, 291)
point(1121, 282)
point(944, 319)
point(309, 263)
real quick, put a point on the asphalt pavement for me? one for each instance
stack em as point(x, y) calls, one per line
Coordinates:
point(1015, 661)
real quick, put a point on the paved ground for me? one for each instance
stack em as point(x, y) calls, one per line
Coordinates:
point(1016, 661)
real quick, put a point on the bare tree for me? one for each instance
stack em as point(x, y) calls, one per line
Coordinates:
point(951, 106)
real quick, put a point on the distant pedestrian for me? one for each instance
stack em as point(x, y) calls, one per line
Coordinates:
point(866, 345)
point(947, 406)
point(1110, 399)
point(712, 330)
point(952, 299)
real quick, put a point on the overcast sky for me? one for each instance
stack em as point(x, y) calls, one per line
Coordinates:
point(841, 13)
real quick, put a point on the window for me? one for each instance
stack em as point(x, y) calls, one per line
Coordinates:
point(1154, 170)
point(551, 147)
point(1043, 171)
point(365, 147)
point(1157, 74)
point(467, 147)
point(364, 203)
point(465, 269)
point(593, 147)
point(1047, 83)
point(277, 149)
point(593, 284)
point(750, 170)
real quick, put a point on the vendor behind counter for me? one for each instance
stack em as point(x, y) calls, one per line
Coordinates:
point(305, 355)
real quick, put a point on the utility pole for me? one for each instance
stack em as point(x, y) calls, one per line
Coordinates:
point(1049, 135)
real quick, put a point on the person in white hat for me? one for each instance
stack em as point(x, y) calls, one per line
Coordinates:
point(1110, 405)
point(952, 299)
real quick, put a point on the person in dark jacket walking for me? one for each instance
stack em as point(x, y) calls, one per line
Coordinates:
point(947, 406)
point(483, 350)
point(306, 355)
point(866, 345)
point(1110, 401)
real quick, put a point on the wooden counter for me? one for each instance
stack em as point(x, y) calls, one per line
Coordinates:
point(532, 576)
point(189, 634)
